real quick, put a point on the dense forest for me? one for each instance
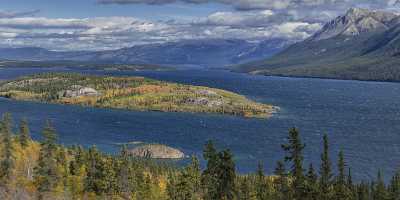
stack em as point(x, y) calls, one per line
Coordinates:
point(47, 170)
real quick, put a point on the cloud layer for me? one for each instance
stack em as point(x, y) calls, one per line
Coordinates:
point(116, 32)
point(254, 20)
point(269, 4)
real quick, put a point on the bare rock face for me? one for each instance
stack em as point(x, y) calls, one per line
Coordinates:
point(156, 151)
point(355, 22)
point(207, 93)
point(78, 91)
point(203, 101)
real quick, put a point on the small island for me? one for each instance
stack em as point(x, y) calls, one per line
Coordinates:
point(130, 93)
point(156, 151)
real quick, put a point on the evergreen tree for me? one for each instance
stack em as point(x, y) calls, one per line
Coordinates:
point(294, 155)
point(101, 177)
point(283, 189)
point(24, 133)
point(7, 161)
point(227, 176)
point(246, 191)
point(311, 184)
point(186, 185)
point(262, 187)
point(341, 190)
point(209, 178)
point(363, 192)
point(46, 173)
point(379, 190)
point(124, 171)
point(394, 187)
point(326, 172)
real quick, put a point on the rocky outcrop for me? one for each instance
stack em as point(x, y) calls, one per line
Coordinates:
point(156, 151)
point(203, 101)
point(355, 22)
point(207, 93)
point(78, 91)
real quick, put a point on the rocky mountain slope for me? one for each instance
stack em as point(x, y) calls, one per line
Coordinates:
point(362, 44)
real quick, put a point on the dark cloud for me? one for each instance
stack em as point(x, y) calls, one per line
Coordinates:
point(9, 14)
point(272, 4)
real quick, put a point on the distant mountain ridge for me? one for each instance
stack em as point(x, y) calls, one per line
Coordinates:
point(362, 44)
point(214, 52)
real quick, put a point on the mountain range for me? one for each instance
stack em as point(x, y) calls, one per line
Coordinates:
point(362, 44)
point(204, 52)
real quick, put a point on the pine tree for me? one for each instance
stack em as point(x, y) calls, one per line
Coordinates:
point(294, 154)
point(24, 133)
point(326, 172)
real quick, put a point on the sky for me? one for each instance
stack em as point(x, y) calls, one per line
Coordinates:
point(112, 24)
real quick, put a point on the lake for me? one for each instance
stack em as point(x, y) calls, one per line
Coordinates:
point(361, 118)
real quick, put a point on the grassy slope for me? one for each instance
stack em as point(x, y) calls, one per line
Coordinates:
point(132, 93)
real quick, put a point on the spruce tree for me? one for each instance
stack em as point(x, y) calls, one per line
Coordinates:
point(101, 177)
point(46, 171)
point(246, 191)
point(226, 176)
point(209, 177)
point(186, 185)
point(379, 191)
point(24, 133)
point(124, 171)
point(394, 187)
point(326, 172)
point(294, 155)
point(283, 189)
point(311, 184)
point(341, 190)
point(262, 187)
point(7, 162)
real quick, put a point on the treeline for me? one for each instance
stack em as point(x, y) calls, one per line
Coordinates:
point(47, 170)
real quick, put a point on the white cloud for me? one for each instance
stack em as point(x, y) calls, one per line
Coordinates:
point(116, 32)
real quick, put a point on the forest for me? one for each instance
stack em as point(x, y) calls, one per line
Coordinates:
point(47, 170)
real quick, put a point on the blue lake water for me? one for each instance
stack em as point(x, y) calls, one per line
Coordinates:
point(361, 118)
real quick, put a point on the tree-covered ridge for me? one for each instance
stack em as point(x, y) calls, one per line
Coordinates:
point(132, 93)
point(46, 170)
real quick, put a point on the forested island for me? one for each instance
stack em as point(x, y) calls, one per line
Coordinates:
point(131, 93)
point(82, 65)
point(46, 170)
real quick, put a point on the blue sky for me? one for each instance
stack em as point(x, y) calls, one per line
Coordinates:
point(112, 24)
point(90, 8)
